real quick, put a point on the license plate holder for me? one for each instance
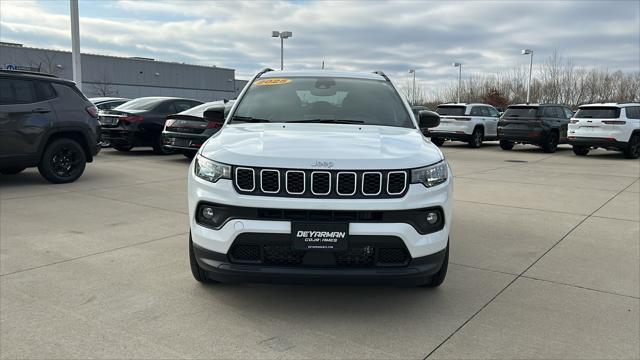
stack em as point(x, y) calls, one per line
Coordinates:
point(332, 237)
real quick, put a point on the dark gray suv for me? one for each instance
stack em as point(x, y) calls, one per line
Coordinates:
point(46, 122)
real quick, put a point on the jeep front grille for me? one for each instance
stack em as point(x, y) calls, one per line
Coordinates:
point(335, 184)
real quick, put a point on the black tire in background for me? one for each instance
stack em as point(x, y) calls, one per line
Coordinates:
point(580, 150)
point(437, 141)
point(11, 171)
point(550, 144)
point(189, 154)
point(632, 151)
point(159, 149)
point(506, 144)
point(122, 148)
point(476, 138)
point(63, 161)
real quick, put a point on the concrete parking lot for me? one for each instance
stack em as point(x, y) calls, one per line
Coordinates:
point(545, 264)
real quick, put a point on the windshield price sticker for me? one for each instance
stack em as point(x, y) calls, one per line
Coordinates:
point(267, 82)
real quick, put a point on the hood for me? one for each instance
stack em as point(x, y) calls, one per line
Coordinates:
point(321, 146)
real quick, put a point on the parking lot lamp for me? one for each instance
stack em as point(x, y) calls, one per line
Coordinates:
point(413, 89)
point(529, 52)
point(75, 44)
point(459, 66)
point(282, 35)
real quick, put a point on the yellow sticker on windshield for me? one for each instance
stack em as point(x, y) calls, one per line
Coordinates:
point(275, 81)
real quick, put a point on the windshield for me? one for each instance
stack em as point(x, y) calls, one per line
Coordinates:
point(451, 110)
point(521, 111)
point(140, 104)
point(323, 99)
point(200, 109)
point(598, 113)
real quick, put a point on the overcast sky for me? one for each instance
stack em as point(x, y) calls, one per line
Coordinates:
point(485, 36)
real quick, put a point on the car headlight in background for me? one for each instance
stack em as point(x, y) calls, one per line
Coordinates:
point(430, 175)
point(211, 170)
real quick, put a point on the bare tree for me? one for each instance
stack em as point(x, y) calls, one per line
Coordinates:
point(47, 62)
point(104, 87)
point(557, 80)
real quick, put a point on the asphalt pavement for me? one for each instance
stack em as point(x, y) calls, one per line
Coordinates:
point(545, 263)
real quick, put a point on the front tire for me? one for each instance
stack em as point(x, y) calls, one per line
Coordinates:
point(437, 141)
point(63, 161)
point(550, 145)
point(198, 273)
point(476, 138)
point(580, 150)
point(632, 151)
point(11, 171)
point(506, 144)
point(438, 278)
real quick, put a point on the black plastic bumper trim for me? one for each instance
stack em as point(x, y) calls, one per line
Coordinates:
point(219, 269)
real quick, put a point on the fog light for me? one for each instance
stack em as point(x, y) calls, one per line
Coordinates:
point(207, 213)
point(432, 217)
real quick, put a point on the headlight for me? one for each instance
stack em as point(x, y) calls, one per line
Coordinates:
point(211, 170)
point(431, 175)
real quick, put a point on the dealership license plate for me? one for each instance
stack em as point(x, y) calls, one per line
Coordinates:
point(320, 236)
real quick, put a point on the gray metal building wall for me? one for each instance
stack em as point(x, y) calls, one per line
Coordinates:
point(129, 77)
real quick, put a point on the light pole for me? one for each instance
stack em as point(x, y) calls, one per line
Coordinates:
point(413, 89)
point(529, 52)
point(282, 35)
point(76, 66)
point(459, 66)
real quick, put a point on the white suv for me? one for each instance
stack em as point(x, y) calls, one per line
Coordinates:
point(610, 126)
point(320, 175)
point(471, 123)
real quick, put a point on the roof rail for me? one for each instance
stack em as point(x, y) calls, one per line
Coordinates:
point(27, 73)
point(381, 73)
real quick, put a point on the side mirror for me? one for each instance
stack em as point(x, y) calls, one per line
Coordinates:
point(215, 114)
point(428, 119)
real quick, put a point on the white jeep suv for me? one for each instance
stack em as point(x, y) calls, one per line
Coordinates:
point(471, 123)
point(610, 126)
point(322, 176)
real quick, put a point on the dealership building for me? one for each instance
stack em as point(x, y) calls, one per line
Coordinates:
point(127, 77)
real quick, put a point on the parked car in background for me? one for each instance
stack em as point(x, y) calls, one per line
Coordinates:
point(472, 123)
point(187, 131)
point(46, 122)
point(107, 103)
point(610, 126)
point(544, 125)
point(140, 122)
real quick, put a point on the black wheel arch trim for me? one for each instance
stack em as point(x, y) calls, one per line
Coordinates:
point(83, 131)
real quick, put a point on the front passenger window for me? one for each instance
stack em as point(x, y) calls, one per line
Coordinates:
point(476, 111)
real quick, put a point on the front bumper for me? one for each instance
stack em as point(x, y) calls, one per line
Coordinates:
point(222, 192)
point(219, 268)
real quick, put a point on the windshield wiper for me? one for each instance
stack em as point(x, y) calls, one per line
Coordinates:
point(249, 119)
point(328, 121)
